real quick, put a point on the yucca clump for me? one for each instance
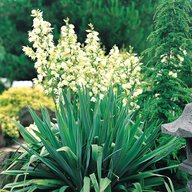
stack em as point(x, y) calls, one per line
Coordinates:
point(95, 146)
point(70, 64)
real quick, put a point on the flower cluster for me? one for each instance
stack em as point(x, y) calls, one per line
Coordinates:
point(70, 64)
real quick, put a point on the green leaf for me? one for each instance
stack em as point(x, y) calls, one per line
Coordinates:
point(26, 135)
point(138, 187)
point(94, 182)
point(97, 157)
point(104, 184)
point(86, 185)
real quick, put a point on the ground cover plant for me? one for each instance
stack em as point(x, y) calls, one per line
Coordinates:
point(95, 146)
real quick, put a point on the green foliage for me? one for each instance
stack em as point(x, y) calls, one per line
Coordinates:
point(2, 87)
point(178, 155)
point(13, 100)
point(169, 56)
point(93, 147)
point(169, 63)
point(13, 26)
point(118, 22)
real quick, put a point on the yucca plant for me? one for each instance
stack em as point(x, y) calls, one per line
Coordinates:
point(94, 147)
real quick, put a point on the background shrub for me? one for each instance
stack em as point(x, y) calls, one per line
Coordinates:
point(13, 100)
point(169, 56)
point(167, 71)
point(118, 22)
point(2, 87)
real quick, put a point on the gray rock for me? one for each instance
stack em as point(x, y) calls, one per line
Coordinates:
point(2, 139)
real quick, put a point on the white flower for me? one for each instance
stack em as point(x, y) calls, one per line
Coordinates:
point(180, 58)
point(164, 59)
point(157, 95)
point(29, 52)
point(172, 74)
point(36, 13)
point(101, 96)
point(93, 99)
point(40, 77)
point(184, 52)
point(137, 92)
point(124, 102)
point(127, 86)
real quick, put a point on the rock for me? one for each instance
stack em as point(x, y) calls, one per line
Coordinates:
point(2, 139)
point(26, 119)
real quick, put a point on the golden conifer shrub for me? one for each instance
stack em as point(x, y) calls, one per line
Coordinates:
point(13, 100)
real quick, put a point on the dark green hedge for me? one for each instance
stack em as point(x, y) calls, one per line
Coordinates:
point(120, 22)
